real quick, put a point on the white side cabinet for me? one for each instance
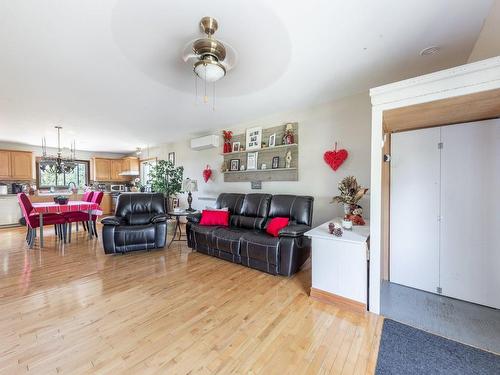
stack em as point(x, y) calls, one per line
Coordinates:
point(340, 265)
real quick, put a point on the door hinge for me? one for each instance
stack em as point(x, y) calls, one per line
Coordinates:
point(440, 145)
point(439, 290)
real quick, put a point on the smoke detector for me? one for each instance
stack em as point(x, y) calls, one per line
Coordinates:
point(432, 50)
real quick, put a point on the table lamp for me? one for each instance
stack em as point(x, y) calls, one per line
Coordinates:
point(190, 186)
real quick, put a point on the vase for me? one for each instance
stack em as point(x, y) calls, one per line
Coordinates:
point(348, 208)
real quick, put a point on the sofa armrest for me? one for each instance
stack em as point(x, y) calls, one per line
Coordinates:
point(194, 218)
point(294, 230)
point(160, 218)
point(112, 220)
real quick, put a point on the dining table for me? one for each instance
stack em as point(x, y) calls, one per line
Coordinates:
point(42, 208)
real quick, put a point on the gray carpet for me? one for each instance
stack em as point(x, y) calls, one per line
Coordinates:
point(466, 322)
point(407, 350)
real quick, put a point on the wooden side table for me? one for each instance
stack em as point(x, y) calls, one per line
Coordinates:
point(177, 229)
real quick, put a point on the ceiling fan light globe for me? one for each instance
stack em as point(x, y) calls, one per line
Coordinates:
point(209, 71)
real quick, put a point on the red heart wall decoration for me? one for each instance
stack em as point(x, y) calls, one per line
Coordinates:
point(207, 173)
point(335, 158)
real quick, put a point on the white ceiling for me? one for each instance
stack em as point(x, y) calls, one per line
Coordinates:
point(111, 72)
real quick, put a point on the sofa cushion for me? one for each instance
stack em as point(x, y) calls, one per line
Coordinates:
point(260, 246)
point(231, 201)
point(298, 208)
point(254, 211)
point(228, 239)
point(215, 217)
point(275, 225)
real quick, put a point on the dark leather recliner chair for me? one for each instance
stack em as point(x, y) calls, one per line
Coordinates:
point(245, 241)
point(140, 223)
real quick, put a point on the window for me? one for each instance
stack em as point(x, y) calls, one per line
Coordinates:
point(80, 176)
point(145, 168)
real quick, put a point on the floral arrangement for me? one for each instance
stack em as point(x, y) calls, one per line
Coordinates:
point(350, 194)
point(350, 191)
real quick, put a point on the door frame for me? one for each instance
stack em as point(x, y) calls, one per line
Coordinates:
point(459, 95)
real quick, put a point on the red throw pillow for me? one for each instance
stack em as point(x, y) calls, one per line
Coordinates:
point(276, 224)
point(209, 217)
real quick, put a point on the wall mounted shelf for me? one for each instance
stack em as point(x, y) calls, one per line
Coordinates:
point(265, 156)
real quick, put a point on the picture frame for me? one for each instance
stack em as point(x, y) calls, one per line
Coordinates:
point(252, 160)
point(272, 140)
point(253, 138)
point(234, 165)
point(236, 146)
point(171, 157)
point(276, 162)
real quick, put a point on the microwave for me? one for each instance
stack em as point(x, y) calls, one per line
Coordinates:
point(118, 188)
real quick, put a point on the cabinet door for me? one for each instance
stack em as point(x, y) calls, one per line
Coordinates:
point(414, 235)
point(470, 208)
point(116, 169)
point(106, 204)
point(102, 169)
point(21, 165)
point(5, 164)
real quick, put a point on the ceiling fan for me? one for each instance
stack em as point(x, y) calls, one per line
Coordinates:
point(211, 58)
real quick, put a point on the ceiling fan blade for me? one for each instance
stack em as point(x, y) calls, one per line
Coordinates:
point(187, 51)
point(231, 56)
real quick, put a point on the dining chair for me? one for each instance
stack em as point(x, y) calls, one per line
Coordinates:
point(83, 217)
point(33, 220)
point(96, 198)
point(87, 197)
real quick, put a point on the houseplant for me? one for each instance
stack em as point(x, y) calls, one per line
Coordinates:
point(350, 194)
point(167, 179)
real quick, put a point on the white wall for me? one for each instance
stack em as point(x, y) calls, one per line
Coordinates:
point(488, 42)
point(346, 121)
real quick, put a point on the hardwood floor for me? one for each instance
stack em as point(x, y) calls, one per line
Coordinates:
point(73, 310)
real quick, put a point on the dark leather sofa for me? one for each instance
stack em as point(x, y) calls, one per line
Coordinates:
point(246, 242)
point(140, 223)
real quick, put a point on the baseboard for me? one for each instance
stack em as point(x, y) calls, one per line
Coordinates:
point(327, 297)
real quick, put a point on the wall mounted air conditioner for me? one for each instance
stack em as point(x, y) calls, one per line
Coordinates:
point(206, 142)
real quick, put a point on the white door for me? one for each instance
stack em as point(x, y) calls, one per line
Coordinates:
point(470, 209)
point(414, 230)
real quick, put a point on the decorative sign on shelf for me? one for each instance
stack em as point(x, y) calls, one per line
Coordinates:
point(269, 154)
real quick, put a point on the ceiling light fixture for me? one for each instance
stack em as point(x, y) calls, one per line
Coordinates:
point(57, 163)
point(210, 57)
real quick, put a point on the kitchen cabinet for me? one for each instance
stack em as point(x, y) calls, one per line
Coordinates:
point(130, 164)
point(4, 164)
point(16, 165)
point(102, 169)
point(106, 204)
point(21, 164)
point(116, 169)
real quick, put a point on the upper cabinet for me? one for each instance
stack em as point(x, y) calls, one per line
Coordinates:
point(102, 169)
point(16, 165)
point(4, 164)
point(130, 164)
point(112, 169)
point(116, 169)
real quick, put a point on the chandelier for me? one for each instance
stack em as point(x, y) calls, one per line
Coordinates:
point(57, 163)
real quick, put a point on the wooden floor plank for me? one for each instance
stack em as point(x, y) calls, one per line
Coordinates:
point(70, 309)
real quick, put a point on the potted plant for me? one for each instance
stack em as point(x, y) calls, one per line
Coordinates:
point(350, 194)
point(166, 178)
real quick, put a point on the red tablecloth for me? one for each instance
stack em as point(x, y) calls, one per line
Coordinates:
point(54, 208)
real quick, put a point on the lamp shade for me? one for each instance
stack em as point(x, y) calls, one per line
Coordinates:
point(189, 185)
